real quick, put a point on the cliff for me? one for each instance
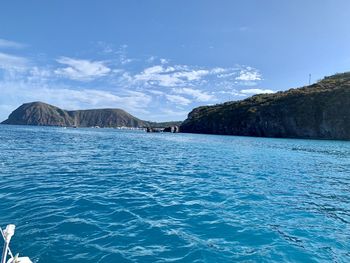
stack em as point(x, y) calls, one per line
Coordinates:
point(318, 111)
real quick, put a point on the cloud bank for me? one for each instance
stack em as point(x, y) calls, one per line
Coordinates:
point(152, 88)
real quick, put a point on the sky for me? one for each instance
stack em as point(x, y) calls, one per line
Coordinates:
point(159, 59)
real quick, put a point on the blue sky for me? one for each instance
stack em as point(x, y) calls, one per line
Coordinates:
point(159, 59)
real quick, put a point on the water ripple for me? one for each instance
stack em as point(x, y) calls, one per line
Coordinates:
point(104, 195)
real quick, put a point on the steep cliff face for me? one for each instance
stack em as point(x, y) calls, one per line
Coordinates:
point(42, 114)
point(320, 111)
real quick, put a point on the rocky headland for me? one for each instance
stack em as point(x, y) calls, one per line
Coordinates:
point(318, 111)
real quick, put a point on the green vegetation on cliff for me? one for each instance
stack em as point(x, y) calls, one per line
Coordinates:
point(321, 110)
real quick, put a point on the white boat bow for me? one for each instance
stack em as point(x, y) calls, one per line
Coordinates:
point(7, 234)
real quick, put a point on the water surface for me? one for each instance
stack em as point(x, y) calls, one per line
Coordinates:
point(105, 195)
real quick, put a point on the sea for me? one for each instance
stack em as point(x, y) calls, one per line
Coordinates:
point(108, 195)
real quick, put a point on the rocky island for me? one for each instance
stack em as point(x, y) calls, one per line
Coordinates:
point(43, 114)
point(318, 111)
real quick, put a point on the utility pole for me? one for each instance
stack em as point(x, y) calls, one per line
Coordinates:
point(309, 79)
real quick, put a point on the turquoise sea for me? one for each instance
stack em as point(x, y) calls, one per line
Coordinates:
point(106, 195)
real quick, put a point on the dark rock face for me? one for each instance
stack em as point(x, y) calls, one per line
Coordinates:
point(172, 129)
point(42, 114)
point(319, 111)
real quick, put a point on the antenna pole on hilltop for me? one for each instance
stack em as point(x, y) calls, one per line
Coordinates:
point(309, 79)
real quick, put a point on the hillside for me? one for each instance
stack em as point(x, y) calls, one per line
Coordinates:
point(42, 114)
point(105, 118)
point(319, 111)
point(39, 113)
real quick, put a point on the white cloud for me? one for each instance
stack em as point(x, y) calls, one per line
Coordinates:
point(249, 74)
point(124, 60)
point(176, 76)
point(191, 74)
point(158, 75)
point(231, 93)
point(151, 59)
point(219, 70)
point(178, 99)
point(149, 72)
point(10, 44)
point(170, 76)
point(256, 91)
point(165, 74)
point(197, 94)
point(164, 61)
point(17, 92)
point(224, 75)
point(80, 69)
point(11, 62)
point(158, 81)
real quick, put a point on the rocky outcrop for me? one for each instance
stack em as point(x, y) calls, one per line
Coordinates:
point(319, 111)
point(172, 129)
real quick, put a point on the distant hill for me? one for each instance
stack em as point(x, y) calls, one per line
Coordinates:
point(39, 113)
point(42, 114)
point(105, 118)
point(320, 111)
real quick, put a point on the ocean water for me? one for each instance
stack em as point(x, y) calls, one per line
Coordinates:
point(105, 195)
